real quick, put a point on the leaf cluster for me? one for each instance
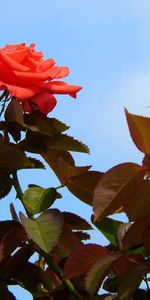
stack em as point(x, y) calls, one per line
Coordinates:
point(69, 265)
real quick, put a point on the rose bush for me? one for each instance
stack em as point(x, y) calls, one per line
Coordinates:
point(32, 79)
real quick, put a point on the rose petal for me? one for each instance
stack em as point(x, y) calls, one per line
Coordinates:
point(59, 72)
point(11, 62)
point(20, 92)
point(44, 65)
point(60, 87)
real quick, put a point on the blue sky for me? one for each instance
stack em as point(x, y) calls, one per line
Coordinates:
point(106, 45)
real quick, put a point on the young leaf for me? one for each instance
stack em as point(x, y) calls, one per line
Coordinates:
point(97, 273)
point(45, 230)
point(140, 131)
point(115, 187)
point(109, 228)
point(37, 199)
point(83, 258)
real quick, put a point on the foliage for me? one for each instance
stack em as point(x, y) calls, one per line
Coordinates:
point(67, 266)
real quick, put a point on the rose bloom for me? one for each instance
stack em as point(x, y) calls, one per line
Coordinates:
point(32, 79)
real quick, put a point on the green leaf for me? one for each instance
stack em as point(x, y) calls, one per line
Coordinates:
point(40, 123)
point(98, 272)
point(45, 230)
point(38, 199)
point(115, 188)
point(82, 258)
point(140, 131)
point(109, 228)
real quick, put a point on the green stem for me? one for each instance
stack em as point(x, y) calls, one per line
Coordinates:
point(16, 184)
point(19, 193)
point(57, 270)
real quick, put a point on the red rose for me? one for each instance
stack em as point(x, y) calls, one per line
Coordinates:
point(31, 79)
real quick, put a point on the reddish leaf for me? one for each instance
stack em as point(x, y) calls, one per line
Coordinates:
point(5, 185)
point(14, 113)
point(140, 131)
point(16, 261)
point(76, 222)
point(131, 281)
point(82, 236)
point(53, 158)
point(115, 187)
point(11, 158)
point(67, 143)
point(131, 238)
point(82, 186)
point(40, 123)
point(67, 241)
point(139, 206)
point(11, 240)
point(67, 170)
point(6, 226)
point(83, 258)
point(124, 263)
point(98, 272)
